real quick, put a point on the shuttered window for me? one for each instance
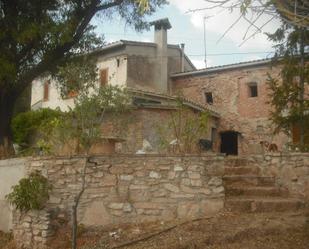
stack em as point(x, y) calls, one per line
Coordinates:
point(46, 90)
point(103, 77)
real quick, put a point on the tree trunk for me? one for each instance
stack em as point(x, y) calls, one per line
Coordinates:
point(302, 86)
point(7, 101)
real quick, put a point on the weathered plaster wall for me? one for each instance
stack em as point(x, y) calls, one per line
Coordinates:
point(239, 112)
point(117, 73)
point(11, 171)
point(54, 100)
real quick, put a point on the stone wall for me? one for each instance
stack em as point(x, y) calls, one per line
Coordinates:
point(123, 189)
point(238, 111)
point(291, 171)
point(138, 188)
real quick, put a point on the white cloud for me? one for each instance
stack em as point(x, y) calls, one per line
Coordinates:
point(220, 20)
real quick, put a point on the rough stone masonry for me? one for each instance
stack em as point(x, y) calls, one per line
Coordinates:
point(121, 189)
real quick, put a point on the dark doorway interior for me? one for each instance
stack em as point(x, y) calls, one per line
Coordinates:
point(229, 143)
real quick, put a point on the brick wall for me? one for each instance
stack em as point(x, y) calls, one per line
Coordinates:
point(239, 112)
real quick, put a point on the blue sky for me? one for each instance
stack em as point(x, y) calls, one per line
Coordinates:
point(188, 28)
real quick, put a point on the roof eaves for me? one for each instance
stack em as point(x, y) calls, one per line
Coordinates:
point(186, 101)
point(224, 67)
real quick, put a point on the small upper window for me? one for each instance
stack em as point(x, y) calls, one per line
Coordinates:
point(253, 90)
point(103, 77)
point(46, 90)
point(208, 98)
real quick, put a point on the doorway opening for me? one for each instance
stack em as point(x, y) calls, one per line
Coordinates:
point(229, 142)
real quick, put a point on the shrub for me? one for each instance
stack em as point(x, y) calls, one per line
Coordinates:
point(26, 124)
point(31, 193)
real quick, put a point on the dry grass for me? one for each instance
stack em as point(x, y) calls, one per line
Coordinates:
point(225, 231)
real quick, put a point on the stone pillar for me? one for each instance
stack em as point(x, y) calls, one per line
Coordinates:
point(32, 229)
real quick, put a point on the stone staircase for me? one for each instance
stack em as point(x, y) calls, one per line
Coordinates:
point(247, 191)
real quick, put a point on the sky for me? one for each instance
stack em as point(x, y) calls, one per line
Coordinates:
point(188, 27)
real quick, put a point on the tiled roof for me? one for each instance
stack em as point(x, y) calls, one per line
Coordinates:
point(208, 70)
point(187, 102)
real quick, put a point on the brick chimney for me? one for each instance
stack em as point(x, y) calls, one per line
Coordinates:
point(160, 38)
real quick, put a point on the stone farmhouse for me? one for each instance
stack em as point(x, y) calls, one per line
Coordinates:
point(235, 95)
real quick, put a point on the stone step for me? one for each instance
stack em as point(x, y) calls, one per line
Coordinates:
point(244, 170)
point(259, 205)
point(256, 191)
point(248, 180)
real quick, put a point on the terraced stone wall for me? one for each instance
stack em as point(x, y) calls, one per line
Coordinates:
point(123, 189)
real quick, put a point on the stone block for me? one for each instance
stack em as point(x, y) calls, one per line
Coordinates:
point(154, 174)
point(116, 205)
point(215, 181)
point(194, 175)
point(148, 205)
point(127, 208)
point(171, 187)
point(196, 183)
point(178, 168)
point(126, 177)
point(218, 190)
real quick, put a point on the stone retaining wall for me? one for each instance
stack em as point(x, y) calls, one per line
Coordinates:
point(124, 189)
point(137, 188)
point(291, 171)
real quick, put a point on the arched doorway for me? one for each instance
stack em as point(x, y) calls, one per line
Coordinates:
point(229, 142)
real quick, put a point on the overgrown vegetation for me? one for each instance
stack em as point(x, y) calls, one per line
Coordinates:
point(183, 129)
point(25, 126)
point(31, 193)
point(289, 94)
point(50, 34)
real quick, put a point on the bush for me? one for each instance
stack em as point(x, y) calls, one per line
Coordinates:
point(26, 124)
point(30, 193)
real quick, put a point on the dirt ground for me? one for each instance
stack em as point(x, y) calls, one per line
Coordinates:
point(224, 231)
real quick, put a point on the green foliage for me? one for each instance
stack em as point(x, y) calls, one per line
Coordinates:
point(288, 94)
point(52, 33)
point(26, 124)
point(184, 128)
point(80, 127)
point(30, 193)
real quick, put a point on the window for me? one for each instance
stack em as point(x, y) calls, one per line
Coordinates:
point(46, 90)
point(253, 90)
point(103, 77)
point(208, 98)
point(72, 94)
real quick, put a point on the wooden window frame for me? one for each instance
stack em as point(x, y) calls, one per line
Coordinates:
point(105, 81)
point(253, 93)
point(209, 98)
point(46, 90)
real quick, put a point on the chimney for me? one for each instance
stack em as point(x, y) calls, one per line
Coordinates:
point(160, 38)
point(182, 45)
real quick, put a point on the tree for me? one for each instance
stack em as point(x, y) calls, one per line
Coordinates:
point(183, 129)
point(36, 36)
point(81, 127)
point(288, 96)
